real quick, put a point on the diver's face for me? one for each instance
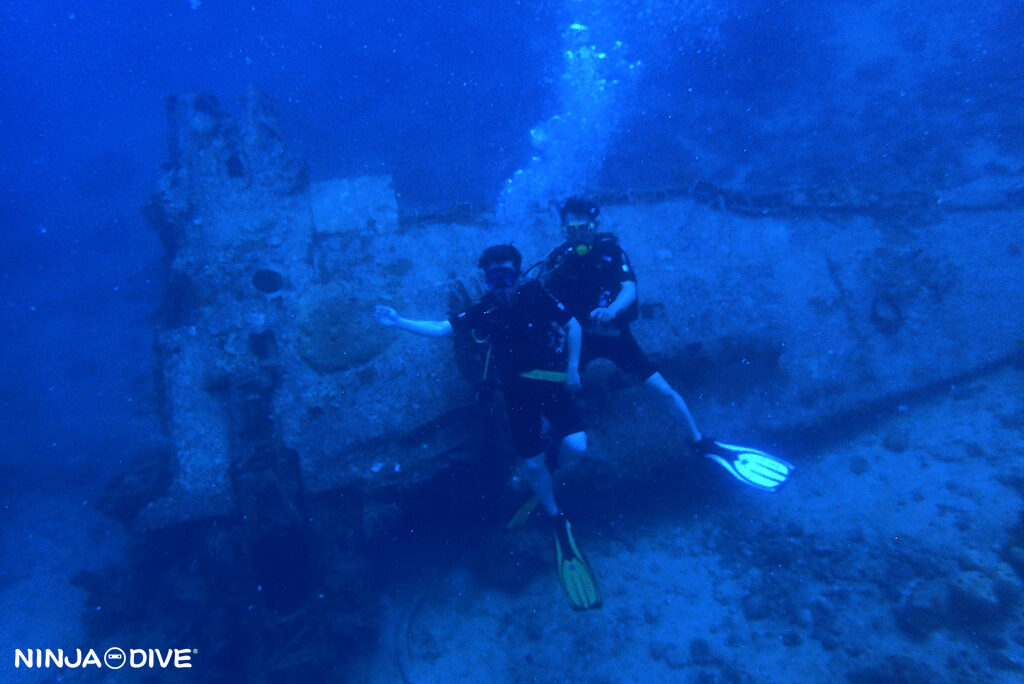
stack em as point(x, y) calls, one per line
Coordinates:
point(579, 228)
point(501, 280)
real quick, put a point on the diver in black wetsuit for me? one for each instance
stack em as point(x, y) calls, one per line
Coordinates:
point(535, 350)
point(591, 274)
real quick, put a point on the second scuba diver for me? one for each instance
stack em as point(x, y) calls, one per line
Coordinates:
point(591, 274)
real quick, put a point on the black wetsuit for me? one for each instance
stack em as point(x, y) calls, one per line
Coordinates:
point(527, 335)
point(590, 278)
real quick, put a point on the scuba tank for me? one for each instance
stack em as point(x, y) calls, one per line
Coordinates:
point(472, 354)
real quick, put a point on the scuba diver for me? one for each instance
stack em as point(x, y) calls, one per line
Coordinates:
point(535, 350)
point(591, 275)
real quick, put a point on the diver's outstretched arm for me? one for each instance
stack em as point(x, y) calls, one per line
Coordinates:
point(389, 318)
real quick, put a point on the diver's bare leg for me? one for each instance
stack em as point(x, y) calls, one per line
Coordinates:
point(660, 384)
point(539, 477)
point(572, 448)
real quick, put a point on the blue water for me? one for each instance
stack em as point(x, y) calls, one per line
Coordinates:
point(500, 106)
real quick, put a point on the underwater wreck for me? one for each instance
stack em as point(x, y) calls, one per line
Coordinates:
point(787, 322)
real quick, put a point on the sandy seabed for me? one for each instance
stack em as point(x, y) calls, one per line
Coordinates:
point(888, 558)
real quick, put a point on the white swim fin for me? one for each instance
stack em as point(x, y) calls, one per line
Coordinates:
point(750, 466)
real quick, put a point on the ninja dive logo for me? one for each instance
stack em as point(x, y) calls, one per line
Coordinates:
point(113, 658)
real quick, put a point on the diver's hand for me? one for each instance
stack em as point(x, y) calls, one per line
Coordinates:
point(386, 316)
point(602, 315)
point(572, 379)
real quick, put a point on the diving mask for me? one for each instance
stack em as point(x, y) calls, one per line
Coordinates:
point(501, 277)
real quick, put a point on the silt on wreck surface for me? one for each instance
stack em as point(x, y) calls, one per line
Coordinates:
point(771, 325)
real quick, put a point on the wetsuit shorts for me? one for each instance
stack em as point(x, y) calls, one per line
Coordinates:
point(622, 349)
point(529, 403)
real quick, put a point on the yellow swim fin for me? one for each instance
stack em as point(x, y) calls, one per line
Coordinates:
point(573, 570)
point(523, 514)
